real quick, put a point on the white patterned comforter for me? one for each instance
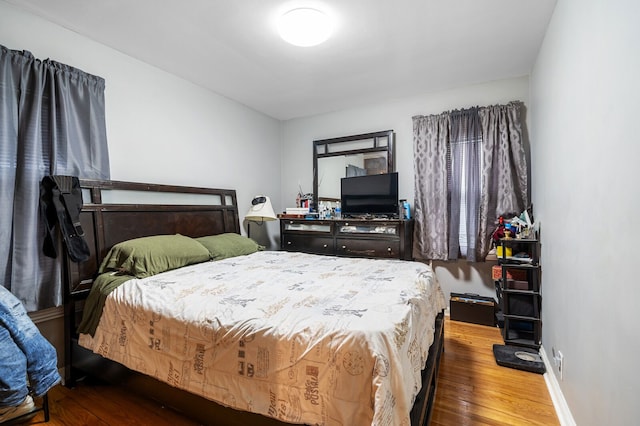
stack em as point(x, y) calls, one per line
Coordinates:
point(302, 338)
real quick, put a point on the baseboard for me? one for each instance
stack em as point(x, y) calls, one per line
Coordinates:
point(560, 404)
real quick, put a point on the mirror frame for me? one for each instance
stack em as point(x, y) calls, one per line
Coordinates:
point(324, 148)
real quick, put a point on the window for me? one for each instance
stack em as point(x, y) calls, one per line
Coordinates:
point(463, 170)
point(470, 167)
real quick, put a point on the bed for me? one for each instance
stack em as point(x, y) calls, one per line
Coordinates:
point(261, 338)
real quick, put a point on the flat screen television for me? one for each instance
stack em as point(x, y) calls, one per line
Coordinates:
point(375, 195)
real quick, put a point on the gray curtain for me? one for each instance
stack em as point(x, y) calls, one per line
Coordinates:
point(505, 175)
point(441, 142)
point(52, 121)
point(464, 181)
point(431, 204)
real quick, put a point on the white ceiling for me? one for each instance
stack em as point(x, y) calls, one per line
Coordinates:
point(380, 49)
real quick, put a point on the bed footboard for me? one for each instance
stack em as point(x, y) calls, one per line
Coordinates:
point(423, 406)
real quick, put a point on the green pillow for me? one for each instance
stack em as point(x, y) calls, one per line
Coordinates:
point(147, 256)
point(227, 245)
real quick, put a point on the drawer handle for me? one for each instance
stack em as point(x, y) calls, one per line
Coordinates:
point(325, 246)
point(289, 243)
point(344, 247)
point(389, 249)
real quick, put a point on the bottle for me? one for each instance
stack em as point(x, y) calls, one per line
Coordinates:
point(338, 210)
point(406, 209)
point(508, 233)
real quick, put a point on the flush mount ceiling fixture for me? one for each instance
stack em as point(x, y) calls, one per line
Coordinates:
point(305, 27)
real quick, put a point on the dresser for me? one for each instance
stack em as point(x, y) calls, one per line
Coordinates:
point(380, 238)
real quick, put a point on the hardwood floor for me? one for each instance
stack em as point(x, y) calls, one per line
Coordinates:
point(472, 390)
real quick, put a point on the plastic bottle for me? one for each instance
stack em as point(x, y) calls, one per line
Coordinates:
point(325, 211)
point(406, 209)
point(338, 211)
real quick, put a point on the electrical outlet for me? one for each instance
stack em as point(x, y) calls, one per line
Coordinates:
point(560, 364)
point(558, 361)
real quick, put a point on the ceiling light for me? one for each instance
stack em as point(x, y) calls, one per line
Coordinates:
point(305, 27)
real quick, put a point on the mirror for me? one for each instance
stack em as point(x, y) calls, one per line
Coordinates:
point(333, 159)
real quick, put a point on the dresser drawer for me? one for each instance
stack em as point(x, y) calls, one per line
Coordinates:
point(307, 243)
point(307, 226)
point(381, 228)
point(363, 247)
point(389, 239)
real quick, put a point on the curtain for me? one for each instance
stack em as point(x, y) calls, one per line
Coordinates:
point(52, 121)
point(471, 161)
point(431, 204)
point(464, 178)
point(505, 176)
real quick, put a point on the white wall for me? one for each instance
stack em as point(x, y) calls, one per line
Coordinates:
point(160, 128)
point(297, 152)
point(585, 95)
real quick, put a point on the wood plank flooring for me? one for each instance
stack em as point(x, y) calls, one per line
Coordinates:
point(472, 390)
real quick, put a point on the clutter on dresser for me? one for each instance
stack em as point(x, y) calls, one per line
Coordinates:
point(520, 227)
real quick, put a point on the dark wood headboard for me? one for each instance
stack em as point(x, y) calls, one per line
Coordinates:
point(115, 211)
point(105, 223)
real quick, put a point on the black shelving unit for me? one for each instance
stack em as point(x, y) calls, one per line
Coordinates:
point(519, 292)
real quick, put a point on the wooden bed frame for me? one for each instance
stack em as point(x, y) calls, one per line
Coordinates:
point(108, 223)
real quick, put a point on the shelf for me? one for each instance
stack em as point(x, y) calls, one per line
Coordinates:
point(521, 317)
point(530, 247)
point(518, 265)
point(516, 260)
point(522, 292)
point(510, 241)
point(530, 343)
point(522, 331)
point(519, 292)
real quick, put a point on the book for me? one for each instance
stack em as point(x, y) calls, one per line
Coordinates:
point(297, 210)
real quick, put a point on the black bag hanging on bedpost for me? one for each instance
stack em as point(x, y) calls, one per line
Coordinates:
point(61, 202)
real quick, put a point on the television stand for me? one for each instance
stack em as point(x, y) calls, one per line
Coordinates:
point(350, 237)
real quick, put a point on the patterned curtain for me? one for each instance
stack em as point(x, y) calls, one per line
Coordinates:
point(52, 121)
point(505, 176)
point(500, 189)
point(431, 204)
